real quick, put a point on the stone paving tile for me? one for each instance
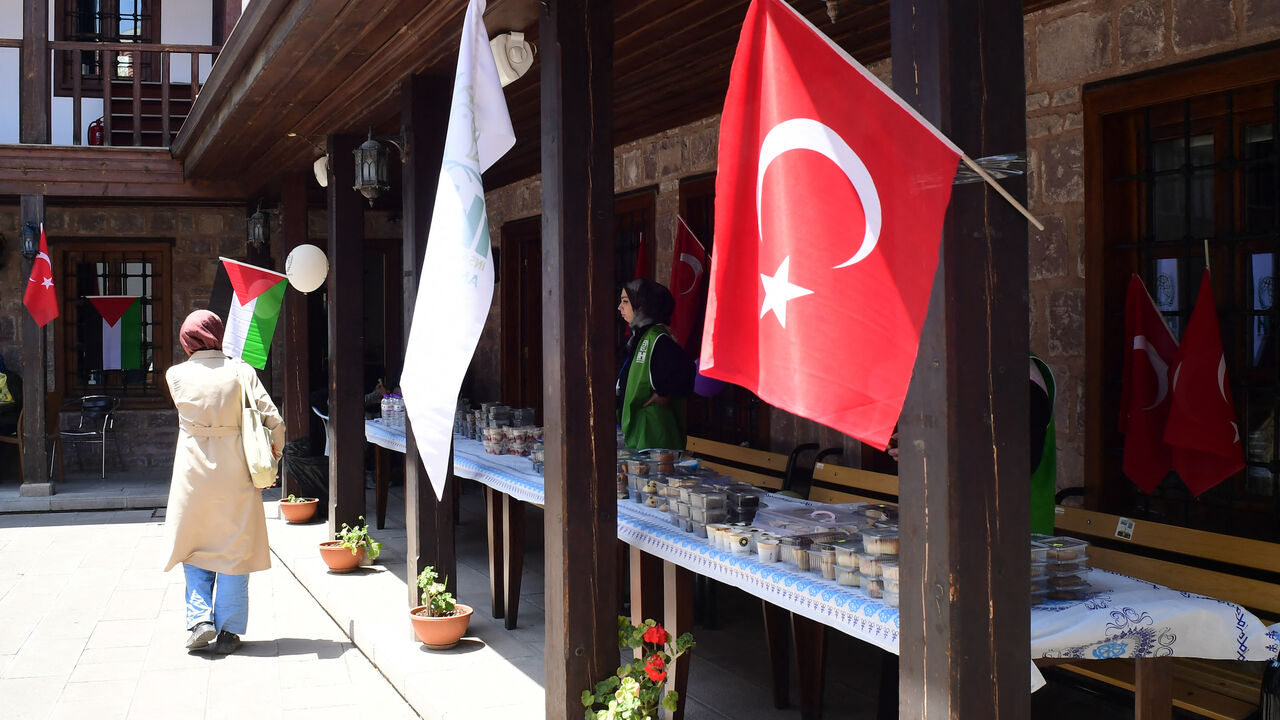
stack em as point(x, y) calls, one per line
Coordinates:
point(45, 658)
point(30, 698)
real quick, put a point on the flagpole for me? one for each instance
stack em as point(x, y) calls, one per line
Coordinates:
point(1003, 193)
point(1206, 255)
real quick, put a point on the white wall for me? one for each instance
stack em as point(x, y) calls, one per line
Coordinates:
point(186, 22)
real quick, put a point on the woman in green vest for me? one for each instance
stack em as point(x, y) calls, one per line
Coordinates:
point(656, 374)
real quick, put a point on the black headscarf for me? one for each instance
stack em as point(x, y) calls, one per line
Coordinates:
point(651, 301)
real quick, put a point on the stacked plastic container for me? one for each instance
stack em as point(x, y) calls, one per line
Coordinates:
point(1059, 568)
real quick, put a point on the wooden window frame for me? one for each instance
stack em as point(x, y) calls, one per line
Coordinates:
point(1109, 109)
point(66, 254)
point(91, 86)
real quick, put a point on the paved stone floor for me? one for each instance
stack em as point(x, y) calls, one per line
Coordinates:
point(91, 628)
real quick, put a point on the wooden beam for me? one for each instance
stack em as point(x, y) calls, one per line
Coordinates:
point(35, 356)
point(225, 15)
point(581, 512)
point(429, 522)
point(103, 172)
point(964, 486)
point(346, 337)
point(34, 88)
point(297, 338)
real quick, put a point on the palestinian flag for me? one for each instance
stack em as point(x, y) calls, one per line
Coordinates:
point(121, 339)
point(248, 299)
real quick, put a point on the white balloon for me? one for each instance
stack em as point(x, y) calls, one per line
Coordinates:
point(306, 267)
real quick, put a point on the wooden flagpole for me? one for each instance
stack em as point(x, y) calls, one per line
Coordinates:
point(1003, 193)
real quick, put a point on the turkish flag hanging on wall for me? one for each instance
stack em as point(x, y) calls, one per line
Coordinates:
point(830, 198)
point(1144, 396)
point(688, 286)
point(1202, 428)
point(40, 298)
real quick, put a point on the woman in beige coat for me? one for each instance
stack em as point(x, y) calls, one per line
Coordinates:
point(215, 517)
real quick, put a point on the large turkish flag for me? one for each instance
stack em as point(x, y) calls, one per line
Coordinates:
point(40, 297)
point(830, 198)
point(1144, 396)
point(1202, 424)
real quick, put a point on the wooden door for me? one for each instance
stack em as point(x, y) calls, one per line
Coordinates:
point(520, 288)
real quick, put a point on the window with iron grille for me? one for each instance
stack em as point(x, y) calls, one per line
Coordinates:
point(97, 269)
point(1183, 170)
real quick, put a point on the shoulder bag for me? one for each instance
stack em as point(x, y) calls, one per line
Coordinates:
point(257, 441)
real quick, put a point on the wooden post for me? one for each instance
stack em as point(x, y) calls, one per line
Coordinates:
point(34, 88)
point(35, 353)
point(429, 522)
point(297, 382)
point(1153, 688)
point(581, 512)
point(346, 337)
point(964, 433)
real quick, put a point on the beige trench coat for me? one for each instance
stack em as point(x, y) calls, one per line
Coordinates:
point(215, 517)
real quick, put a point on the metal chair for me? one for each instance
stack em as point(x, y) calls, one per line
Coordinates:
point(97, 419)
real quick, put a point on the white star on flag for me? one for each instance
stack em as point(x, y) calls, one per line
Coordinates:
point(48, 282)
point(778, 291)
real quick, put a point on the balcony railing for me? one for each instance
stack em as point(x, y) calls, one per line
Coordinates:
point(137, 110)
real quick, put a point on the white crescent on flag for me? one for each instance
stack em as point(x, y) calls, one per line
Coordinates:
point(1158, 364)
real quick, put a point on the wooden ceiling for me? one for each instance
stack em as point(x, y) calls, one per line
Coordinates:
point(321, 67)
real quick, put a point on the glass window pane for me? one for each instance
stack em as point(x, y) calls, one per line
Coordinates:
point(1165, 293)
point(1259, 180)
point(1262, 289)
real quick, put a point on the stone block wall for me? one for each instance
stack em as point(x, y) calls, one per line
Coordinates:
point(200, 233)
point(1066, 47)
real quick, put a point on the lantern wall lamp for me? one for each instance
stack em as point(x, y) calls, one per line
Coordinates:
point(30, 245)
point(371, 163)
point(258, 228)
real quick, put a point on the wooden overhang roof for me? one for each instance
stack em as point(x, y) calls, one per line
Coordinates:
point(321, 67)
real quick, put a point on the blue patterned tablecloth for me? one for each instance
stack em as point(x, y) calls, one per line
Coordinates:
point(1123, 618)
point(378, 433)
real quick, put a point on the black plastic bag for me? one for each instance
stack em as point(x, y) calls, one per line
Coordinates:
point(307, 473)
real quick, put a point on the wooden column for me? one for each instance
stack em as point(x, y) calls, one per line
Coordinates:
point(965, 615)
point(35, 353)
point(34, 88)
point(346, 336)
point(296, 403)
point(429, 522)
point(581, 512)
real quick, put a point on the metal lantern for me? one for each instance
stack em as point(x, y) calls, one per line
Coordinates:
point(30, 237)
point(371, 169)
point(258, 229)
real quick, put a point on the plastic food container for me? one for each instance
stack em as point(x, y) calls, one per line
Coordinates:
point(880, 541)
point(1066, 548)
point(868, 565)
point(706, 515)
point(635, 496)
point(847, 549)
point(822, 558)
point(889, 569)
point(794, 551)
point(848, 576)
point(880, 512)
point(1065, 567)
point(890, 597)
point(740, 542)
point(767, 549)
point(873, 587)
point(1037, 569)
point(638, 467)
point(1039, 552)
point(682, 509)
point(803, 520)
point(890, 586)
point(706, 498)
point(699, 529)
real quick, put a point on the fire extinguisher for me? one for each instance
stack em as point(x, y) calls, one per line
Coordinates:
point(96, 132)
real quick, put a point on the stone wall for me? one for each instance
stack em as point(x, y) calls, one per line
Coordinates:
point(200, 233)
point(1066, 47)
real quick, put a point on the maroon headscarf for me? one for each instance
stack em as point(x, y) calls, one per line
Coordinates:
point(202, 330)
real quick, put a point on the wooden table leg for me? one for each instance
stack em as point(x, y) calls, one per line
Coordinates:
point(381, 469)
point(810, 638)
point(646, 588)
point(493, 514)
point(1153, 689)
point(777, 636)
point(677, 617)
point(513, 557)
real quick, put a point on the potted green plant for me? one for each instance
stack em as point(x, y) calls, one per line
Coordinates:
point(440, 621)
point(350, 549)
point(298, 510)
point(637, 690)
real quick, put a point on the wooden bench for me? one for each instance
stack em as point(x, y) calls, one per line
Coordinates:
point(761, 468)
point(1240, 570)
point(836, 484)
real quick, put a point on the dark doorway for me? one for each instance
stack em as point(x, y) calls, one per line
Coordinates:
point(520, 288)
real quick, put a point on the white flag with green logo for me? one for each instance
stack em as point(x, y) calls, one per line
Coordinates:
point(455, 287)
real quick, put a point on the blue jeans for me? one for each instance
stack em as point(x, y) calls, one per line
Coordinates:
point(228, 609)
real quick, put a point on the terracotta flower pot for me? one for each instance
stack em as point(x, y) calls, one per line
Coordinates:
point(440, 633)
point(338, 558)
point(299, 511)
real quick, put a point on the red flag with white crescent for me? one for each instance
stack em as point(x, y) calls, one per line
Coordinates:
point(688, 286)
point(40, 297)
point(830, 199)
point(1202, 428)
point(1144, 391)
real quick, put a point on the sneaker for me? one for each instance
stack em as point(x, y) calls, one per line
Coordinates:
point(227, 643)
point(201, 635)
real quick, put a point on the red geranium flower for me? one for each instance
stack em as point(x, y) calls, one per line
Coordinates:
point(654, 668)
point(656, 635)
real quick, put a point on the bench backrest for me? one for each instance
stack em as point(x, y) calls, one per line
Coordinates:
point(1241, 570)
point(840, 484)
point(758, 467)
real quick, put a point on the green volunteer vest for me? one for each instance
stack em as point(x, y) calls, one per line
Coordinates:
point(1044, 481)
point(655, 426)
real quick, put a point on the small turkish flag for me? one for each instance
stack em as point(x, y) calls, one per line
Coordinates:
point(1144, 395)
point(830, 198)
point(40, 298)
point(1202, 420)
point(688, 286)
